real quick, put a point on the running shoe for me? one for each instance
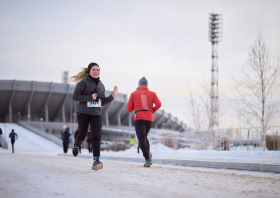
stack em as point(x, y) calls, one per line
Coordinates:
point(148, 163)
point(75, 151)
point(97, 165)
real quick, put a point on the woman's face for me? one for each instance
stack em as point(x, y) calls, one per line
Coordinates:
point(94, 71)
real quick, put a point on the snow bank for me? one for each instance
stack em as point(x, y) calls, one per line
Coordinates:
point(27, 140)
point(240, 151)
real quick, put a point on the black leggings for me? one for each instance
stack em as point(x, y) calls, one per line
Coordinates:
point(95, 122)
point(142, 128)
point(65, 148)
point(89, 145)
point(12, 142)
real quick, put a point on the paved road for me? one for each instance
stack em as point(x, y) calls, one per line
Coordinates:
point(23, 175)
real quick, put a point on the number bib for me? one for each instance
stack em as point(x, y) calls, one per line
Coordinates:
point(94, 104)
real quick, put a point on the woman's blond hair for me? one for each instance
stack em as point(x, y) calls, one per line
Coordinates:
point(82, 74)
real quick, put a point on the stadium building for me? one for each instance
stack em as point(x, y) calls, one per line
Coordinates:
point(48, 107)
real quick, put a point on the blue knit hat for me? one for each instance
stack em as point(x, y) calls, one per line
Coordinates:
point(143, 81)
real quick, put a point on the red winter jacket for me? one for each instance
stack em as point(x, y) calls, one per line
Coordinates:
point(143, 99)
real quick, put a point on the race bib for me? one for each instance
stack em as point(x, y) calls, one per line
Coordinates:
point(94, 104)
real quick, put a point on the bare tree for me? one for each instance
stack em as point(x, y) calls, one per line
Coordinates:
point(199, 113)
point(254, 88)
point(196, 113)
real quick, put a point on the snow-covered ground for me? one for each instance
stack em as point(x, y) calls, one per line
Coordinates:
point(161, 151)
point(44, 176)
point(27, 140)
point(36, 170)
point(240, 151)
point(30, 143)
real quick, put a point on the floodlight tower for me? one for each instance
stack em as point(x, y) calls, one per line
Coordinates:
point(65, 77)
point(215, 36)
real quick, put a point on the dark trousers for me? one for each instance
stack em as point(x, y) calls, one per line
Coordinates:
point(95, 122)
point(65, 148)
point(142, 128)
point(89, 145)
point(12, 142)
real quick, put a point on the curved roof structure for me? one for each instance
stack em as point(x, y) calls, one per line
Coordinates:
point(52, 102)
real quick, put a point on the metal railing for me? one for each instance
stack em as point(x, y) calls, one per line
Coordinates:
point(55, 130)
point(235, 139)
point(3, 142)
point(41, 133)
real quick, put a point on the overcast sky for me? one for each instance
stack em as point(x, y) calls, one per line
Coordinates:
point(165, 41)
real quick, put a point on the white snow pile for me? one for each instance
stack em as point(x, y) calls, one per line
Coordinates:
point(27, 140)
point(240, 151)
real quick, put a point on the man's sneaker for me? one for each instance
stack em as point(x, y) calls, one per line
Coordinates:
point(150, 155)
point(75, 150)
point(97, 165)
point(148, 163)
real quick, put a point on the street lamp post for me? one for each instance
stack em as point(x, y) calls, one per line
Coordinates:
point(6, 142)
point(5, 130)
point(64, 127)
point(41, 123)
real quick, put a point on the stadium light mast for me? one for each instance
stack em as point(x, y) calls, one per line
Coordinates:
point(215, 36)
point(65, 77)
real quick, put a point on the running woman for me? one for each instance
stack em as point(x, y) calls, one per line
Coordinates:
point(142, 101)
point(90, 92)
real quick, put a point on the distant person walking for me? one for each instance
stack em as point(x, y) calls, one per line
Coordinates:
point(13, 137)
point(90, 92)
point(75, 136)
point(65, 135)
point(132, 141)
point(89, 141)
point(0, 131)
point(142, 101)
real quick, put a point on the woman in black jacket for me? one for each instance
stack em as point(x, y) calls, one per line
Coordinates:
point(90, 92)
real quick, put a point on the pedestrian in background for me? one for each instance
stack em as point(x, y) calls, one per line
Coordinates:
point(75, 136)
point(13, 137)
point(0, 131)
point(90, 92)
point(65, 135)
point(132, 141)
point(142, 102)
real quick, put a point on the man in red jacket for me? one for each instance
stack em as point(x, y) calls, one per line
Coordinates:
point(142, 102)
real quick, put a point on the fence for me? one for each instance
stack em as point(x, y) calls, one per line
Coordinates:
point(55, 130)
point(240, 139)
point(3, 142)
point(41, 133)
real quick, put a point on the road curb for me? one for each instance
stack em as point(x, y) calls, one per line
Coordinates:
point(259, 167)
